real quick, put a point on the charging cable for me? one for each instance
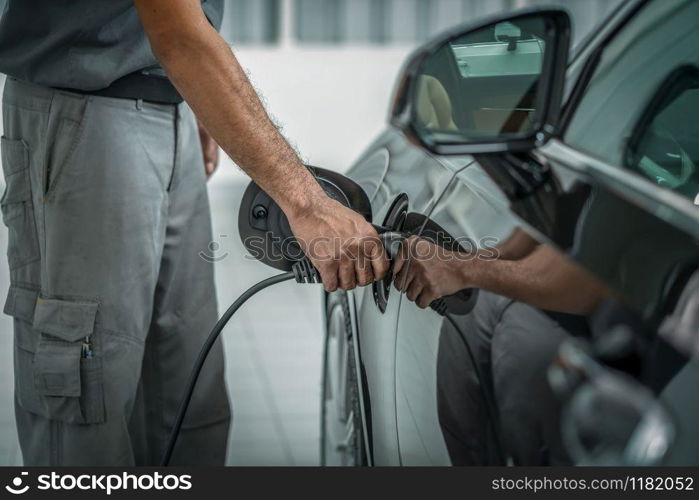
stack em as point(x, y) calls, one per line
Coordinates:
point(302, 271)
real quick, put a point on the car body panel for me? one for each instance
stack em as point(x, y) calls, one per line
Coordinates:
point(469, 191)
point(400, 362)
point(420, 437)
point(377, 340)
point(400, 165)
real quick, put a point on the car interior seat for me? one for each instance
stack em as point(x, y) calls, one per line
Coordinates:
point(434, 108)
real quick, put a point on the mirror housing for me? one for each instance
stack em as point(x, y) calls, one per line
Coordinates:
point(426, 94)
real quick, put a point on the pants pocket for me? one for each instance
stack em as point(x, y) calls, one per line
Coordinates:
point(16, 204)
point(57, 375)
point(67, 123)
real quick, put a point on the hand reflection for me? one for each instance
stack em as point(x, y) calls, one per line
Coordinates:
point(433, 272)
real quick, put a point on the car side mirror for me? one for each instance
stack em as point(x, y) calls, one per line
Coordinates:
point(488, 87)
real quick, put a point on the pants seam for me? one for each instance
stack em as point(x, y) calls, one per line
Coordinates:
point(55, 445)
point(176, 156)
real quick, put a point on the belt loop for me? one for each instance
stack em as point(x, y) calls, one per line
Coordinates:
point(139, 104)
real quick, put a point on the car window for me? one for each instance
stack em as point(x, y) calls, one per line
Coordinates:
point(504, 50)
point(665, 146)
point(485, 82)
point(630, 115)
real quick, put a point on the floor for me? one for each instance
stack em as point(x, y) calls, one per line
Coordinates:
point(273, 348)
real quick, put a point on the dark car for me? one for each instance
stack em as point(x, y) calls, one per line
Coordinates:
point(496, 127)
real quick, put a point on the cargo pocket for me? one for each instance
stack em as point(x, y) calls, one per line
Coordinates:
point(16, 204)
point(58, 376)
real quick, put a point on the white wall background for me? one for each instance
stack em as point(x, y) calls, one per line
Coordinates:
point(330, 102)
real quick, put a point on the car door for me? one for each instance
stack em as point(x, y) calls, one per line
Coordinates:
point(617, 190)
point(626, 168)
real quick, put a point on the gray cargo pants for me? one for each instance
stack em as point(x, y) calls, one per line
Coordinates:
point(107, 210)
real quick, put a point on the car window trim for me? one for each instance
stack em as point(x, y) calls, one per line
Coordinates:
point(665, 204)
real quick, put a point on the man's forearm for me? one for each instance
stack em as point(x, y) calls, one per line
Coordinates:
point(517, 246)
point(545, 279)
point(207, 74)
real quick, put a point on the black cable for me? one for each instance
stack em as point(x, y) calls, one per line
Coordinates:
point(303, 272)
point(489, 405)
point(205, 352)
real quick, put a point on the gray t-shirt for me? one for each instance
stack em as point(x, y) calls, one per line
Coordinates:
point(78, 44)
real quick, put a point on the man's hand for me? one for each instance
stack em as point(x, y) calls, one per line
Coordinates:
point(209, 148)
point(432, 272)
point(342, 245)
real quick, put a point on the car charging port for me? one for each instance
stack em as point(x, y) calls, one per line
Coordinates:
point(393, 223)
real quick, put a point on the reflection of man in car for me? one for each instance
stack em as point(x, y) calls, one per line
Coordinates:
point(512, 339)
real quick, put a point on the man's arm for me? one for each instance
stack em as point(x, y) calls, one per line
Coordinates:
point(545, 278)
point(517, 246)
point(207, 74)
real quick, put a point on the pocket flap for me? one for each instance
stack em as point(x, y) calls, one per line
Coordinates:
point(20, 303)
point(15, 155)
point(17, 190)
point(57, 369)
point(67, 320)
